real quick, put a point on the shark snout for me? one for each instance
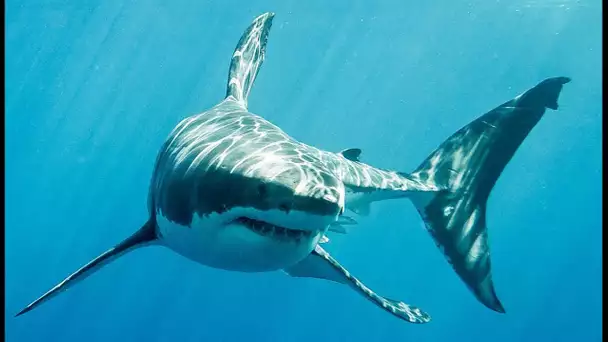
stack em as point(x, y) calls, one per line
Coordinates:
point(292, 193)
point(320, 205)
point(326, 201)
point(327, 204)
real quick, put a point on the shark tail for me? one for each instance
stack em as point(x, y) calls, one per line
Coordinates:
point(248, 57)
point(144, 236)
point(466, 166)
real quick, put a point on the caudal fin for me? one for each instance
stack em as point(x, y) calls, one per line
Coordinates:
point(143, 236)
point(467, 165)
point(248, 57)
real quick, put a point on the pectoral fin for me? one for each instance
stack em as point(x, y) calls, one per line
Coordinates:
point(319, 264)
point(146, 235)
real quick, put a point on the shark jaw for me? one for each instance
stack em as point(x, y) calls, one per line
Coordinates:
point(245, 239)
point(273, 231)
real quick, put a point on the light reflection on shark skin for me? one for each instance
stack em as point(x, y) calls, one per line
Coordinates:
point(231, 190)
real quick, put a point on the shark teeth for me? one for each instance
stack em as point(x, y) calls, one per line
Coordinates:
point(271, 230)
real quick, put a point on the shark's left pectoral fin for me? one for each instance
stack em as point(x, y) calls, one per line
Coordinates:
point(315, 266)
point(319, 264)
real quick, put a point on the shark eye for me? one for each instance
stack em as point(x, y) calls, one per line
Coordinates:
point(262, 190)
point(284, 207)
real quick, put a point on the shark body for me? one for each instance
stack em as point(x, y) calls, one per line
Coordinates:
point(231, 190)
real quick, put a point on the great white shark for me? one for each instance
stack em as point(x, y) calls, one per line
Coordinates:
point(231, 190)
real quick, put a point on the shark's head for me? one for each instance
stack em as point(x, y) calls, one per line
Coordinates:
point(282, 216)
point(297, 198)
point(254, 211)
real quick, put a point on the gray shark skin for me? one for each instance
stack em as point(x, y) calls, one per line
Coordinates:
point(230, 190)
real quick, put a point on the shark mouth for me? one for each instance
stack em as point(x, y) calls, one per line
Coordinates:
point(274, 231)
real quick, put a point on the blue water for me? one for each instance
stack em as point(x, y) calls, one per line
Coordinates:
point(93, 88)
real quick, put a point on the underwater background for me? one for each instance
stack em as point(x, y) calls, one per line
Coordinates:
point(94, 87)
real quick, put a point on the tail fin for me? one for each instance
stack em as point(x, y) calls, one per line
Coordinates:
point(143, 236)
point(248, 57)
point(467, 165)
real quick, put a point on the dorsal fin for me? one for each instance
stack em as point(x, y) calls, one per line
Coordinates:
point(351, 154)
point(248, 57)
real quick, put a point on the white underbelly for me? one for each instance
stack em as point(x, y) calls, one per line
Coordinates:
point(212, 242)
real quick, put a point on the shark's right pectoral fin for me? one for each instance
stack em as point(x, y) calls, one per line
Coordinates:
point(144, 236)
point(319, 264)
